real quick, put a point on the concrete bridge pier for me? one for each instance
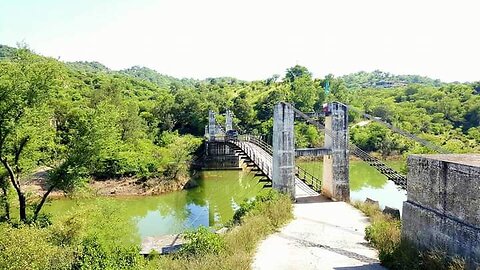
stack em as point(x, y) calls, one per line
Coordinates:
point(283, 149)
point(228, 120)
point(336, 183)
point(212, 129)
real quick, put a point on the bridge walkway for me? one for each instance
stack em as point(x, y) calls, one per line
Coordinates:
point(323, 235)
point(264, 161)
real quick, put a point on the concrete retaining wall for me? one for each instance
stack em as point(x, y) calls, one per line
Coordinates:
point(220, 155)
point(442, 210)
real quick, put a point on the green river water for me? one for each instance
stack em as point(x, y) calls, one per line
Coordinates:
point(219, 194)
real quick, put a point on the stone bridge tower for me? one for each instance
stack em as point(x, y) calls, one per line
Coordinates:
point(336, 182)
point(283, 149)
point(228, 120)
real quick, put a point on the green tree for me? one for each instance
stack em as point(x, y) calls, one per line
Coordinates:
point(26, 131)
point(296, 72)
point(243, 110)
point(304, 93)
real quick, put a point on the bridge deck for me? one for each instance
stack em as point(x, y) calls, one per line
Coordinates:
point(263, 160)
point(323, 235)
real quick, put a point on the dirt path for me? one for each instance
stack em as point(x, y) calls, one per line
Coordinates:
point(323, 235)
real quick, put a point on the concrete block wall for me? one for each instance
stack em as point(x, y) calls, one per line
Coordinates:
point(442, 210)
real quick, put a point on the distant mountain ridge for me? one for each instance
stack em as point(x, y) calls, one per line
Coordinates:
point(381, 79)
point(362, 79)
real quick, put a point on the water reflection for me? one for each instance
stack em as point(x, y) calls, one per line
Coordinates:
point(220, 193)
point(366, 182)
point(212, 203)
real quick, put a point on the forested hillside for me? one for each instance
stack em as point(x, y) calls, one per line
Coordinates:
point(380, 79)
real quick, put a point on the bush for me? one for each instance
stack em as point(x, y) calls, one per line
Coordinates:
point(93, 236)
point(256, 219)
point(384, 234)
point(201, 242)
point(96, 254)
point(264, 204)
point(102, 237)
point(27, 247)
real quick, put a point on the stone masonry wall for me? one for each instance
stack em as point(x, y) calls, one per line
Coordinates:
point(442, 210)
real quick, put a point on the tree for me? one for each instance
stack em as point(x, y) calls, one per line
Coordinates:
point(264, 107)
point(304, 93)
point(4, 186)
point(243, 110)
point(25, 127)
point(296, 72)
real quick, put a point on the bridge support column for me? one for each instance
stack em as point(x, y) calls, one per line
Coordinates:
point(228, 121)
point(283, 149)
point(212, 129)
point(336, 183)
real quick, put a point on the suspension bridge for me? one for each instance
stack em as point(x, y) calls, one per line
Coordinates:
point(334, 238)
point(275, 162)
point(328, 233)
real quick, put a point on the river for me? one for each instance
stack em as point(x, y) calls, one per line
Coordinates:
point(219, 194)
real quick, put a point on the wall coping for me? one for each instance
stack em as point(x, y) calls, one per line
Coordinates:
point(472, 160)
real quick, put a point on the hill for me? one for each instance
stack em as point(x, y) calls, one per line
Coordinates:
point(381, 79)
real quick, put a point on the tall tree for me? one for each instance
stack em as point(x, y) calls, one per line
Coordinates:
point(25, 127)
point(296, 72)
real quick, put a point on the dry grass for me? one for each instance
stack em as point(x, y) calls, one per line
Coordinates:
point(384, 234)
point(241, 241)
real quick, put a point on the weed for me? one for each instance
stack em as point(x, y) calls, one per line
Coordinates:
point(384, 234)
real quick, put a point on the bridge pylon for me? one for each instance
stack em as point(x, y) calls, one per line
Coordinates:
point(336, 182)
point(228, 120)
point(212, 129)
point(283, 149)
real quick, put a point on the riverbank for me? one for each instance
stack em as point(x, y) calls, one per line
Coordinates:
point(234, 249)
point(123, 186)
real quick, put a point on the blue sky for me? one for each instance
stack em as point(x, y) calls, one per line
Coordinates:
point(254, 39)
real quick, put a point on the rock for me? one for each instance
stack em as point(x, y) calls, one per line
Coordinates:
point(222, 230)
point(190, 184)
point(394, 212)
point(370, 201)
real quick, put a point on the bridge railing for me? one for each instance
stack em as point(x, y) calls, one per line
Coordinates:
point(264, 166)
point(314, 182)
point(309, 179)
point(390, 173)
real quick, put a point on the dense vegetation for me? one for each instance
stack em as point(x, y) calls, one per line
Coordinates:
point(380, 79)
point(97, 236)
point(234, 250)
point(384, 234)
point(82, 123)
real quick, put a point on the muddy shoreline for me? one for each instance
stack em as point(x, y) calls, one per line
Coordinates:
point(124, 186)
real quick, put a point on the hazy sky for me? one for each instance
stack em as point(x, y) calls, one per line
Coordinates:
point(254, 39)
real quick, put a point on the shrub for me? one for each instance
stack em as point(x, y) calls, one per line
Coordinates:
point(256, 219)
point(384, 234)
point(96, 254)
point(27, 247)
point(201, 242)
